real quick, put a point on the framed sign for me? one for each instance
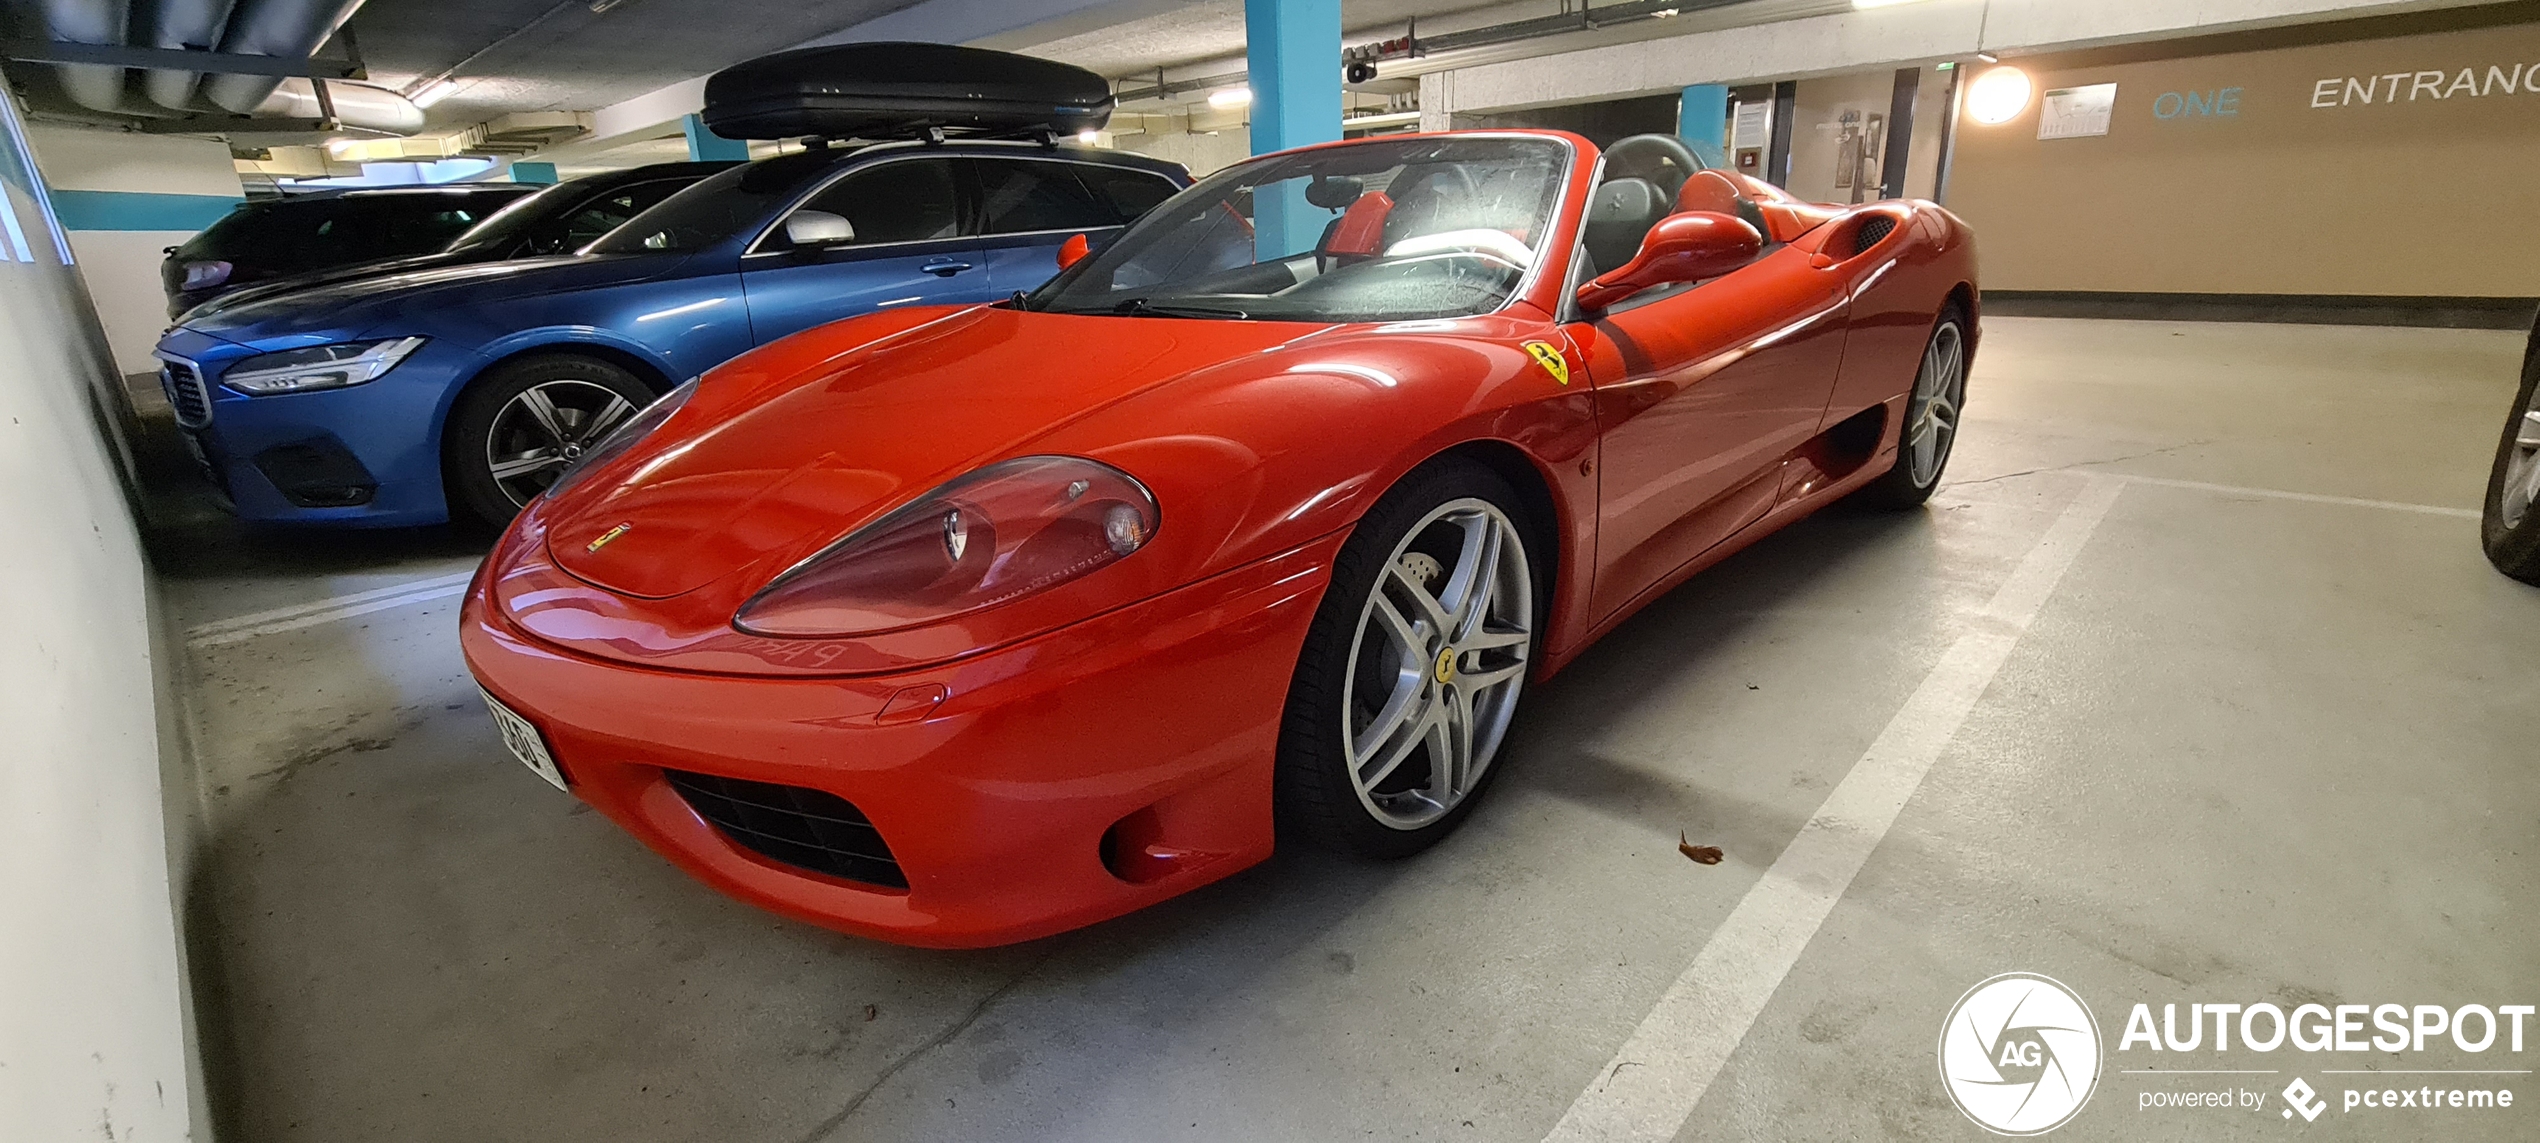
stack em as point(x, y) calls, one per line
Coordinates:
point(2076, 112)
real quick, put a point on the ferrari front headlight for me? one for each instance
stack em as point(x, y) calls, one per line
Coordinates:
point(318, 367)
point(998, 534)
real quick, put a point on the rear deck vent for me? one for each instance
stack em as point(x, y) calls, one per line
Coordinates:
point(1873, 228)
point(799, 826)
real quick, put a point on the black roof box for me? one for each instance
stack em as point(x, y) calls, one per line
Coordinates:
point(899, 90)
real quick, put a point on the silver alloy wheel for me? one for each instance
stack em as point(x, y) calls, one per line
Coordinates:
point(2522, 470)
point(1437, 663)
point(1931, 419)
point(543, 429)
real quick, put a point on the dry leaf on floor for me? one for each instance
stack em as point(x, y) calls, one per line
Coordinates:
point(1701, 854)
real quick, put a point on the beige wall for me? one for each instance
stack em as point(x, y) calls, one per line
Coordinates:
point(1817, 125)
point(2302, 189)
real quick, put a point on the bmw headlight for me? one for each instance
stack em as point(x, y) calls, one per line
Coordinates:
point(318, 367)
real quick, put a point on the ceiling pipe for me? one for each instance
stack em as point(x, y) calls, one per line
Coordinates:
point(356, 106)
point(289, 28)
point(193, 25)
point(1584, 18)
point(94, 86)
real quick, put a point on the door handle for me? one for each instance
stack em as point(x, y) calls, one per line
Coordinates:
point(944, 267)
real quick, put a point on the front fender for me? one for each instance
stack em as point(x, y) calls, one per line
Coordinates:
point(1273, 450)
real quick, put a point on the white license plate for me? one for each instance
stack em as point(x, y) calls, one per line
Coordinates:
point(524, 740)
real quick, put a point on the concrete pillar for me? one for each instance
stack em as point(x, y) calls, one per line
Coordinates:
point(1702, 118)
point(704, 145)
point(1292, 58)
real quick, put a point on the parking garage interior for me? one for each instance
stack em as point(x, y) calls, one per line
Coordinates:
point(2190, 684)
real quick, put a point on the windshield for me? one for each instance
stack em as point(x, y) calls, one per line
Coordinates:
point(513, 221)
point(1389, 230)
point(718, 208)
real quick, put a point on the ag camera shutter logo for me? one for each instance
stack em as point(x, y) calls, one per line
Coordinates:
point(2020, 1054)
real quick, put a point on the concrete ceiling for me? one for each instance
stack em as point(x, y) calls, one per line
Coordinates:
point(1214, 29)
point(560, 55)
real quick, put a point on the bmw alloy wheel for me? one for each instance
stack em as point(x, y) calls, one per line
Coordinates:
point(1437, 663)
point(1931, 419)
point(543, 429)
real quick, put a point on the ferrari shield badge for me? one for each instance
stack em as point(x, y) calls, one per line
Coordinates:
point(605, 537)
point(1549, 356)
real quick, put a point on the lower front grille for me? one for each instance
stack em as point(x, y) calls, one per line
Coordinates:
point(802, 827)
point(187, 395)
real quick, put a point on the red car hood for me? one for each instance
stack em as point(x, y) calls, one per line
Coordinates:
point(802, 441)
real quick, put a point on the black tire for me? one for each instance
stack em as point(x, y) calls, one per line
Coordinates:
point(2510, 532)
point(580, 386)
point(1900, 487)
point(1316, 796)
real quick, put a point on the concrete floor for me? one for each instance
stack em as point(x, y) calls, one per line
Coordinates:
point(2252, 748)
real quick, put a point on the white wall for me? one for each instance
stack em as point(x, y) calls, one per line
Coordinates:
point(121, 266)
point(1205, 153)
point(1849, 41)
point(92, 1031)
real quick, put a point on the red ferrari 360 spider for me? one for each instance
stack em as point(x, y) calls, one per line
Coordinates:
point(960, 626)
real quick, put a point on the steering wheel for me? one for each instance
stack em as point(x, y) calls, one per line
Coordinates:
point(1664, 160)
point(1431, 198)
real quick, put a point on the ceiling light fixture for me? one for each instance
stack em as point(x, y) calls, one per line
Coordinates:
point(342, 147)
point(1089, 136)
point(1231, 97)
point(1988, 57)
point(1998, 96)
point(436, 93)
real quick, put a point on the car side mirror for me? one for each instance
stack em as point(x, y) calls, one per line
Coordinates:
point(818, 228)
point(1073, 251)
point(1687, 247)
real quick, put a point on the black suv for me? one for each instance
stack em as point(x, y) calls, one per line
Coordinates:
point(318, 230)
point(559, 219)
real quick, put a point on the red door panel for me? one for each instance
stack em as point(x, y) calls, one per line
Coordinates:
point(1699, 397)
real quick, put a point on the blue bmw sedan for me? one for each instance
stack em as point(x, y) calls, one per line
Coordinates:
point(460, 393)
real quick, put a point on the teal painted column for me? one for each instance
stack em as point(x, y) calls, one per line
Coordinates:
point(1702, 118)
point(706, 146)
point(1292, 60)
point(533, 172)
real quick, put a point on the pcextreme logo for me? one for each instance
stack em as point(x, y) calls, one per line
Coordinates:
point(2020, 1054)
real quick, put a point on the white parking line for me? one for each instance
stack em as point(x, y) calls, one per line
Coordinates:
point(2306, 497)
point(1651, 1085)
point(311, 614)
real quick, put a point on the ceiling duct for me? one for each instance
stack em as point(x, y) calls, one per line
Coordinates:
point(127, 59)
point(94, 86)
point(358, 106)
point(185, 25)
point(524, 133)
point(288, 28)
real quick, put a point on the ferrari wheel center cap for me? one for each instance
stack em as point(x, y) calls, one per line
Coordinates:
point(1446, 665)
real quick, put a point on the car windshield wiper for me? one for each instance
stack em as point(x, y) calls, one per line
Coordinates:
point(1145, 308)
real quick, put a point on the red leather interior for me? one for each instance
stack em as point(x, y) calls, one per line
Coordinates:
point(1361, 233)
point(1709, 191)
